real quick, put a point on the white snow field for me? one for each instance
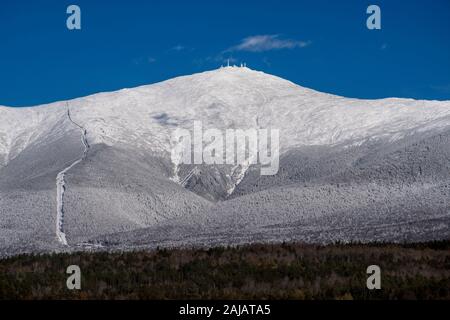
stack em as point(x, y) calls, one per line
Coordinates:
point(350, 169)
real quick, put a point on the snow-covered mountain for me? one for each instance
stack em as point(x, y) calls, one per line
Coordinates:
point(96, 171)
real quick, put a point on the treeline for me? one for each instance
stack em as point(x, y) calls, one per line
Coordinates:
point(260, 271)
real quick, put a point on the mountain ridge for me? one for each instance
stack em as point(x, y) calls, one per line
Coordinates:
point(345, 165)
point(212, 98)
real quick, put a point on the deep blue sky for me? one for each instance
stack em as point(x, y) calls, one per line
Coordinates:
point(135, 42)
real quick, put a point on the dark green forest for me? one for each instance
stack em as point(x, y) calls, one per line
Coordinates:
point(260, 271)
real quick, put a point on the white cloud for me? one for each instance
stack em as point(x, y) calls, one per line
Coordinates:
point(262, 43)
point(178, 47)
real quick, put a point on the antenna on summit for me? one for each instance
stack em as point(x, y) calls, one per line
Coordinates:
point(228, 62)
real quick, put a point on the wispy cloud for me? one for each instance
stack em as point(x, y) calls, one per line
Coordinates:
point(178, 47)
point(222, 58)
point(143, 60)
point(181, 48)
point(261, 43)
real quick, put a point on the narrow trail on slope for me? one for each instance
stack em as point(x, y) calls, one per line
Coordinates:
point(61, 185)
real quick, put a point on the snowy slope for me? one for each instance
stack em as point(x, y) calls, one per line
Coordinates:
point(124, 186)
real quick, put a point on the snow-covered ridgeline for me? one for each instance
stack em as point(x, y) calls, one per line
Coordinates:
point(145, 117)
